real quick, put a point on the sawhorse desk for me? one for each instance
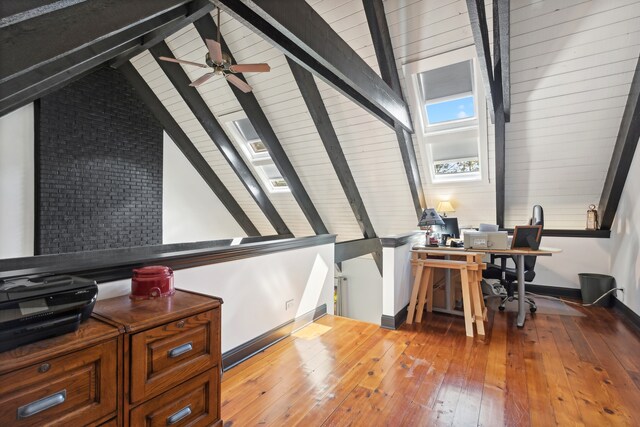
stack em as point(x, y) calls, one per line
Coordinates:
point(519, 255)
point(470, 266)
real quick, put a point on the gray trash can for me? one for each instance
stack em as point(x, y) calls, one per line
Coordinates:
point(595, 285)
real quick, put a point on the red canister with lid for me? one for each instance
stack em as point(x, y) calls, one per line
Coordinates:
point(154, 281)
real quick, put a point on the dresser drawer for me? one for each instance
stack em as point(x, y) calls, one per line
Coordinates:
point(77, 389)
point(194, 403)
point(168, 355)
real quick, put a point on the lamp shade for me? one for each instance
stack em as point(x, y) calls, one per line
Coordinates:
point(430, 217)
point(445, 206)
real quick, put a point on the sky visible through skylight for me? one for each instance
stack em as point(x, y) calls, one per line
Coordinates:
point(448, 111)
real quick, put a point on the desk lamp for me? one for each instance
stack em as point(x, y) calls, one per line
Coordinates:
point(445, 206)
point(429, 218)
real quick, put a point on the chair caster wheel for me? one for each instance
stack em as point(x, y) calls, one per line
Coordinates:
point(533, 309)
point(501, 308)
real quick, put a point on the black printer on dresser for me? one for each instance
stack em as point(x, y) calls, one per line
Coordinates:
point(32, 309)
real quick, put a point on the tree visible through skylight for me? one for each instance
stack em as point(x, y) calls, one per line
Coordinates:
point(452, 110)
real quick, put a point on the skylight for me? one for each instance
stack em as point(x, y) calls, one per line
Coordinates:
point(450, 105)
point(246, 129)
point(256, 151)
point(450, 111)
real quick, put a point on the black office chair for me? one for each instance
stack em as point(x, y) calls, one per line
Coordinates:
point(508, 276)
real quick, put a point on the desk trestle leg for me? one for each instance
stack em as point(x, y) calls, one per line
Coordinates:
point(425, 285)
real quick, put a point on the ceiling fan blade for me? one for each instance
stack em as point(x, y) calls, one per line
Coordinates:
point(181, 61)
point(215, 50)
point(234, 80)
point(250, 68)
point(197, 82)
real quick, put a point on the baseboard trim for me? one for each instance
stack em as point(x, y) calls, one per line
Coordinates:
point(627, 313)
point(260, 343)
point(554, 291)
point(394, 322)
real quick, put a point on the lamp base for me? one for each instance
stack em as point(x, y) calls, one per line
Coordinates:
point(430, 241)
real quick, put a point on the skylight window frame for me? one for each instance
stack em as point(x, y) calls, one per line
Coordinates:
point(257, 160)
point(426, 133)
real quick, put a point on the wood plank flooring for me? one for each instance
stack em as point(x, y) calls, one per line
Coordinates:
point(557, 370)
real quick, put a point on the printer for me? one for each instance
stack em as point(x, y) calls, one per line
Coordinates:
point(32, 309)
point(496, 240)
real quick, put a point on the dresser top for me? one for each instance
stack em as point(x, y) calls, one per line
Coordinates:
point(137, 315)
point(90, 332)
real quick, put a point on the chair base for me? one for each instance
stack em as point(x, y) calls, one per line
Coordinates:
point(499, 290)
point(532, 304)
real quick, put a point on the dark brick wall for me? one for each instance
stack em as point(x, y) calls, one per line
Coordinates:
point(98, 167)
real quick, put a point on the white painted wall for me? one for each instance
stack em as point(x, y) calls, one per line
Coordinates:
point(625, 240)
point(16, 183)
point(396, 280)
point(191, 212)
point(364, 290)
point(579, 255)
point(255, 290)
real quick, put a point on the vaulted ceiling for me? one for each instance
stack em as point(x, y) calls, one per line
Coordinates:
point(572, 65)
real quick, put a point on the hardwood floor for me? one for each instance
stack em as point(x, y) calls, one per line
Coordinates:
point(557, 370)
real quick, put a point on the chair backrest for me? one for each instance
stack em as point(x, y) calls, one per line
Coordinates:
point(537, 218)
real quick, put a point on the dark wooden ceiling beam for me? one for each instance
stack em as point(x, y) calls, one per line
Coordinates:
point(500, 117)
point(356, 248)
point(321, 119)
point(51, 48)
point(185, 145)
point(502, 31)
point(14, 11)
point(296, 29)
point(622, 156)
point(208, 30)
point(194, 11)
point(17, 93)
point(377, 20)
point(43, 38)
point(500, 150)
point(478, 20)
point(201, 111)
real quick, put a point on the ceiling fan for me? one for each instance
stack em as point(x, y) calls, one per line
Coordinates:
point(221, 64)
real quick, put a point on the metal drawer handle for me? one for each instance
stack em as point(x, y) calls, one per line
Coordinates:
point(182, 413)
point(181, 349)
point(42, 404)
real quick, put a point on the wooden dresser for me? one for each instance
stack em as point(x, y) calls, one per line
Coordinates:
point(70, 380)
point(137, 363)
point(171, 358)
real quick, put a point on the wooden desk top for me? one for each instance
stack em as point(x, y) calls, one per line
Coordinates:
point(445, 250)
point(137, 315)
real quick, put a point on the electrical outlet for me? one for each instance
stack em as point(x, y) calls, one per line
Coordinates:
point(288, 304)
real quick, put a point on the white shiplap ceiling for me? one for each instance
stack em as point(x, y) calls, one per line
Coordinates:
point(572, 63)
